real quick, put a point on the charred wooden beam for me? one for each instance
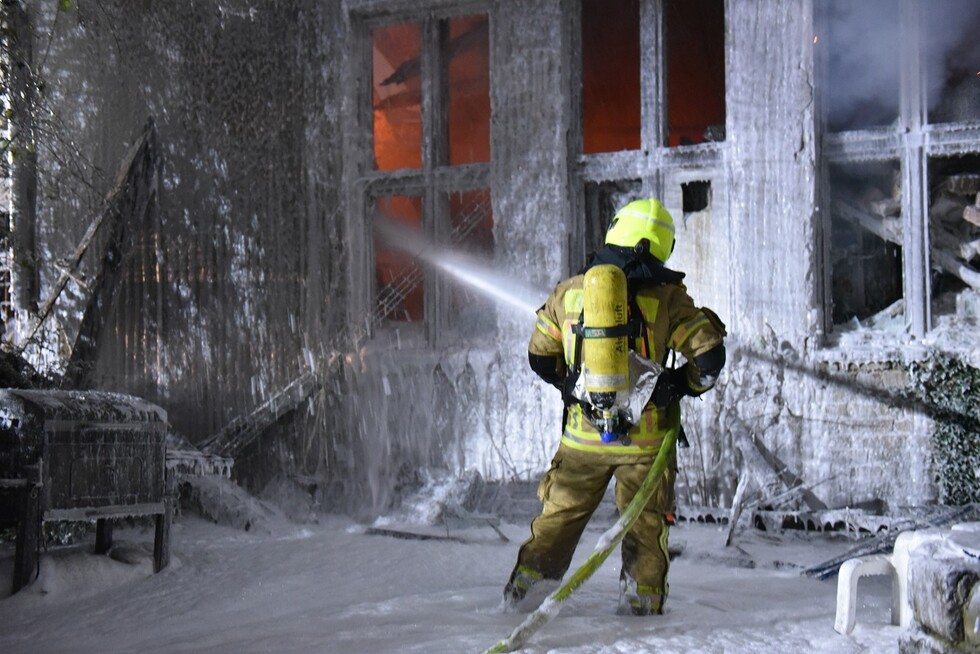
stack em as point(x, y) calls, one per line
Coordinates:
point(127, 209)
point(789, 479)
point(69, 267)
point(22, 94)
point(759, 464)
point(886, 229)
point(889, 230)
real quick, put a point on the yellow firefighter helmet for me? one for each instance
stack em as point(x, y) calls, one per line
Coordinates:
point(643, 219)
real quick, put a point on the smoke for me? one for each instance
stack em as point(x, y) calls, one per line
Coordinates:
point(865, 43)
point(952, 60)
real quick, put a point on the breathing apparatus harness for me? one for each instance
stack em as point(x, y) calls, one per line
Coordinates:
point(604, 400)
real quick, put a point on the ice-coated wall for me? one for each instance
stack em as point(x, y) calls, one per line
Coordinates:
point(252, 274)
point(212, 314)
point(771, 157)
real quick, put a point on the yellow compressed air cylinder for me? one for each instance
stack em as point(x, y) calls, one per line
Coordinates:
point(605, 358)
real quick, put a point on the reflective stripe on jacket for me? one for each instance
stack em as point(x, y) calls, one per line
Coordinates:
point(672, 321)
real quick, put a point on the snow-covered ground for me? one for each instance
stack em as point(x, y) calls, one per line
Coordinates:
point(332, 587)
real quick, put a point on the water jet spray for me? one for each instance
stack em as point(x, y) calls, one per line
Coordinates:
point(467, 269)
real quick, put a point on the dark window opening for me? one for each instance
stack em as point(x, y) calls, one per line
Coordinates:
point(398, 275)
point(610, 75)
point(954, 228)
point(602, 201)
point(695, 33)
point(862, 44)
point(866, 238)
point(695, 196)
point(952, 60)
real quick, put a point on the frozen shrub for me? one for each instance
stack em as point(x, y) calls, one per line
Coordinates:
point(950, 390)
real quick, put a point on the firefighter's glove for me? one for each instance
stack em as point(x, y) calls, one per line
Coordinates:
point(549, 368)
point(671, 385)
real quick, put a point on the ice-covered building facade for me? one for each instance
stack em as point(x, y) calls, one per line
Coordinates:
point(821, 159)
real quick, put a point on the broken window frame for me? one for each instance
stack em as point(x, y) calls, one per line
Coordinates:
point(912, 141)
point(433, 181)
point(660, 168)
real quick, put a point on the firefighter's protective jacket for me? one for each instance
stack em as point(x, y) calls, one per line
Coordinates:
point(671, 321)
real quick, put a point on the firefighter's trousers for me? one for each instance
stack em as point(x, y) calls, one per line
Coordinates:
point(571, 490)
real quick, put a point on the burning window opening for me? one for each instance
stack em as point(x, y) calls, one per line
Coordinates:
point(460, 123)
point(465, 58)
point(402, 250)
point(471, 218)
point(396, 98)
point(468, 53)
point(694, 62)
point(695, 33)
point(610, 76)
point(471, 221)
point(695, 196)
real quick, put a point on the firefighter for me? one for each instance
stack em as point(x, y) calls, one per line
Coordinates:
point(639, 240)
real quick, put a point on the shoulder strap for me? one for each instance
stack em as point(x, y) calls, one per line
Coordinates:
point(637, 324)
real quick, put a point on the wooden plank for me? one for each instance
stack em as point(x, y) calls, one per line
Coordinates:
point(28, 535)
point(126, 212)
point(161, 537)
point(737, 506)
point(410, 535)
point(69, 266)
point(881, 229)
point(96, 512)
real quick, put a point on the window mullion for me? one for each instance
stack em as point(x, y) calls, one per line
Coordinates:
point(360, 140)
point(434, 93)
point(915, 201)
point(653, 76)
point(915, 241)
point(434, 154)
point(437, 293)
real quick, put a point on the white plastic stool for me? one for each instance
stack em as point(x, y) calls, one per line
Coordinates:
point(895, 565)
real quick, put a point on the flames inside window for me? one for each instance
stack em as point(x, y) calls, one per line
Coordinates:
point(695, 71)
point(610, 75)
point(397, 99)
point(468, 54)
